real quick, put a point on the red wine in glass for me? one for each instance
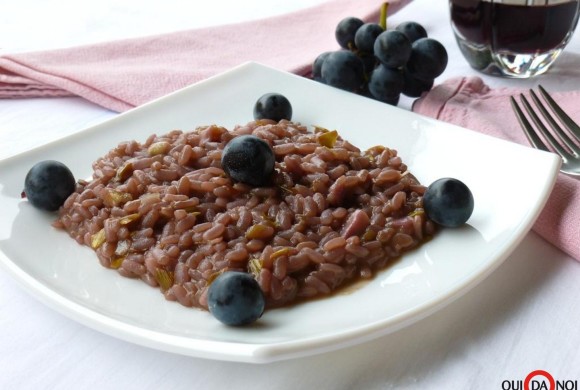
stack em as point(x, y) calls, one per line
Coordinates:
point(489, 32)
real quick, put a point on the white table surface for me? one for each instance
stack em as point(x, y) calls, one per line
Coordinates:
point(524, 317)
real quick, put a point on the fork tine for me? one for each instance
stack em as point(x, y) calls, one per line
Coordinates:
point(541, 128)
point(528, 128)
point(557, 110)
point(568, 122)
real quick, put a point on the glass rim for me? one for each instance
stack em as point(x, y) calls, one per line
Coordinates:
point(530, 3)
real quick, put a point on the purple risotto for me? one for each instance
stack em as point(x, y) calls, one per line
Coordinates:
point(166, 212)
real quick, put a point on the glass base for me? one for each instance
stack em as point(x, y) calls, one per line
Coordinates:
point(506, 64)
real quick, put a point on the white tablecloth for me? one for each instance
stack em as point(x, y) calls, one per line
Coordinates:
point(524, 317)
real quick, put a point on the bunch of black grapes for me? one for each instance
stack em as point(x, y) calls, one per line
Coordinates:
point(381, 63)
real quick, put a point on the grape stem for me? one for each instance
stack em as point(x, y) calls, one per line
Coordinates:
point(383, 16)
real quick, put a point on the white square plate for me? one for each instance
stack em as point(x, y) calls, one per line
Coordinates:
point(510, 183)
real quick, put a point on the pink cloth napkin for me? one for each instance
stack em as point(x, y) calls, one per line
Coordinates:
point(122, 74)
point(469, 103)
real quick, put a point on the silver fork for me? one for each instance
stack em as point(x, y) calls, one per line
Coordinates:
point(564, 142)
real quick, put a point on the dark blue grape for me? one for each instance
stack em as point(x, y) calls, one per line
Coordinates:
point(412, 30)
point(248, 159)
point(365, 37)
point(392, 48)
point(448, 202)
point(317, 66)
point(48, 184)
point(428, 59)
point(370, 62)
point(393, 100)
point(346, 30)
point(273, 106)
point(235, 298)
point(414, 87)
point(386, 84)
point(343, 69)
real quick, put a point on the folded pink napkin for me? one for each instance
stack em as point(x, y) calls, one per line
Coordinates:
point(122, 74)
point(469, 103)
